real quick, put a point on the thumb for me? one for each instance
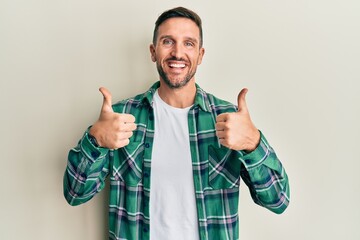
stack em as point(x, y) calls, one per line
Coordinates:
point(107, 102)
point(242, 101)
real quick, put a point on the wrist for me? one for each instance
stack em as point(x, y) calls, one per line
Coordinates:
point(92, 138)
point(254, 141)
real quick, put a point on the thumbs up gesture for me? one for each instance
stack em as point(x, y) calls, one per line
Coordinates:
point(236, 130)
point(112, 130)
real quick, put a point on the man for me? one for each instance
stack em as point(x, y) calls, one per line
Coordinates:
point(175, 154)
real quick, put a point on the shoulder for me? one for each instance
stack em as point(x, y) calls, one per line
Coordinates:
point(129, 105)
point(218, 105)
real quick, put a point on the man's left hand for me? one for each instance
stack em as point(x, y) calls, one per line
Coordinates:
point(236, 130)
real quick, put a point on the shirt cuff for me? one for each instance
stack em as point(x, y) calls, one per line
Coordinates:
point(259, 155)
point(92, 152)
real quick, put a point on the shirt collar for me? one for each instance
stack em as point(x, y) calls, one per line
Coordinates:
point(201, 97)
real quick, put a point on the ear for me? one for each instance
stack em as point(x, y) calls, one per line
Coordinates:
point(152, 53)
point(201, 55)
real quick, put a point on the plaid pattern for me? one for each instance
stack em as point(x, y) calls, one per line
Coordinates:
point(216, 170)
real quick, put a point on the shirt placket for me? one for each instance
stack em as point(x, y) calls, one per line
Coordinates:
point(148, 143)
point(195, 151)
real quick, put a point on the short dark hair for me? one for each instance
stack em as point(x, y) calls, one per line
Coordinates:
point(178, 12)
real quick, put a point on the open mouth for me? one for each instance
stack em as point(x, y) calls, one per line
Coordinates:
point(177, 65)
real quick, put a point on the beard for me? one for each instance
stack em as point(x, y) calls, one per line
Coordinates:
point(177, 82)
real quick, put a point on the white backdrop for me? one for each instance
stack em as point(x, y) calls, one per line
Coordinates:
point(299, 59)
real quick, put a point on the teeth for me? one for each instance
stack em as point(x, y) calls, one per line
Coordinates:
point(177, 65)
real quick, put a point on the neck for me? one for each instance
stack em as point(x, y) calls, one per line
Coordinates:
point(179, 97)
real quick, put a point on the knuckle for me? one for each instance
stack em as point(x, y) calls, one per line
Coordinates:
point(126, 142)
point(131, 126)
point(132, 118)
point(231, 117)
point(227, 135)
point(222, 116)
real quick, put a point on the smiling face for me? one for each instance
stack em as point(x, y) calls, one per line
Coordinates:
point(177, 51)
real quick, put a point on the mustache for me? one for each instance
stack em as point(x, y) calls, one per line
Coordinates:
point(176, 59)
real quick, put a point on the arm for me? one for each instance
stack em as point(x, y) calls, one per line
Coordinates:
point(88, 165)
point(262, 172)
point(86, 171)
point(266, 178)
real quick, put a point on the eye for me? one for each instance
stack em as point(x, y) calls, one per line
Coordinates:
point(167, 41)
point(189, 44)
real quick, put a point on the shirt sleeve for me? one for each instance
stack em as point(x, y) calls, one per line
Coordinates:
point(86, 170)
point(266, 178)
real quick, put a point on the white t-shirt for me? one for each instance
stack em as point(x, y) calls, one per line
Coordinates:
point(172, 194)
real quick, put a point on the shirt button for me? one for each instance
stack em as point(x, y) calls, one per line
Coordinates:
point(151, 118)
point(147, 145)
point(94, 154)
point(146, 174)
point(145, 229)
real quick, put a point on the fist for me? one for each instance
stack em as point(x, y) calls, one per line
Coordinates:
point(236, 130)
point(112, 130)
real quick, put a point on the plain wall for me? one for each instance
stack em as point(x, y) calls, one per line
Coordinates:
point(299, 59)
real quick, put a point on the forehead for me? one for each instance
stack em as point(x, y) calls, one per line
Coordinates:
point(179, 27)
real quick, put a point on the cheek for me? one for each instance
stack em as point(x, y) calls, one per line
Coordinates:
point(196, 61)
point(159, 57)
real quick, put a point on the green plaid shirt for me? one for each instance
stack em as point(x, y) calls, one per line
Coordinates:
point(216, 172)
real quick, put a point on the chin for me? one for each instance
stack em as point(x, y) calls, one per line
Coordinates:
point(176, 84)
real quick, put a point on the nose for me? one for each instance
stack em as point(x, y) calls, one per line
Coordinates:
point(177, 51)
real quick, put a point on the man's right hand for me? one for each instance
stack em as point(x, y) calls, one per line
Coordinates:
point(112, 130)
